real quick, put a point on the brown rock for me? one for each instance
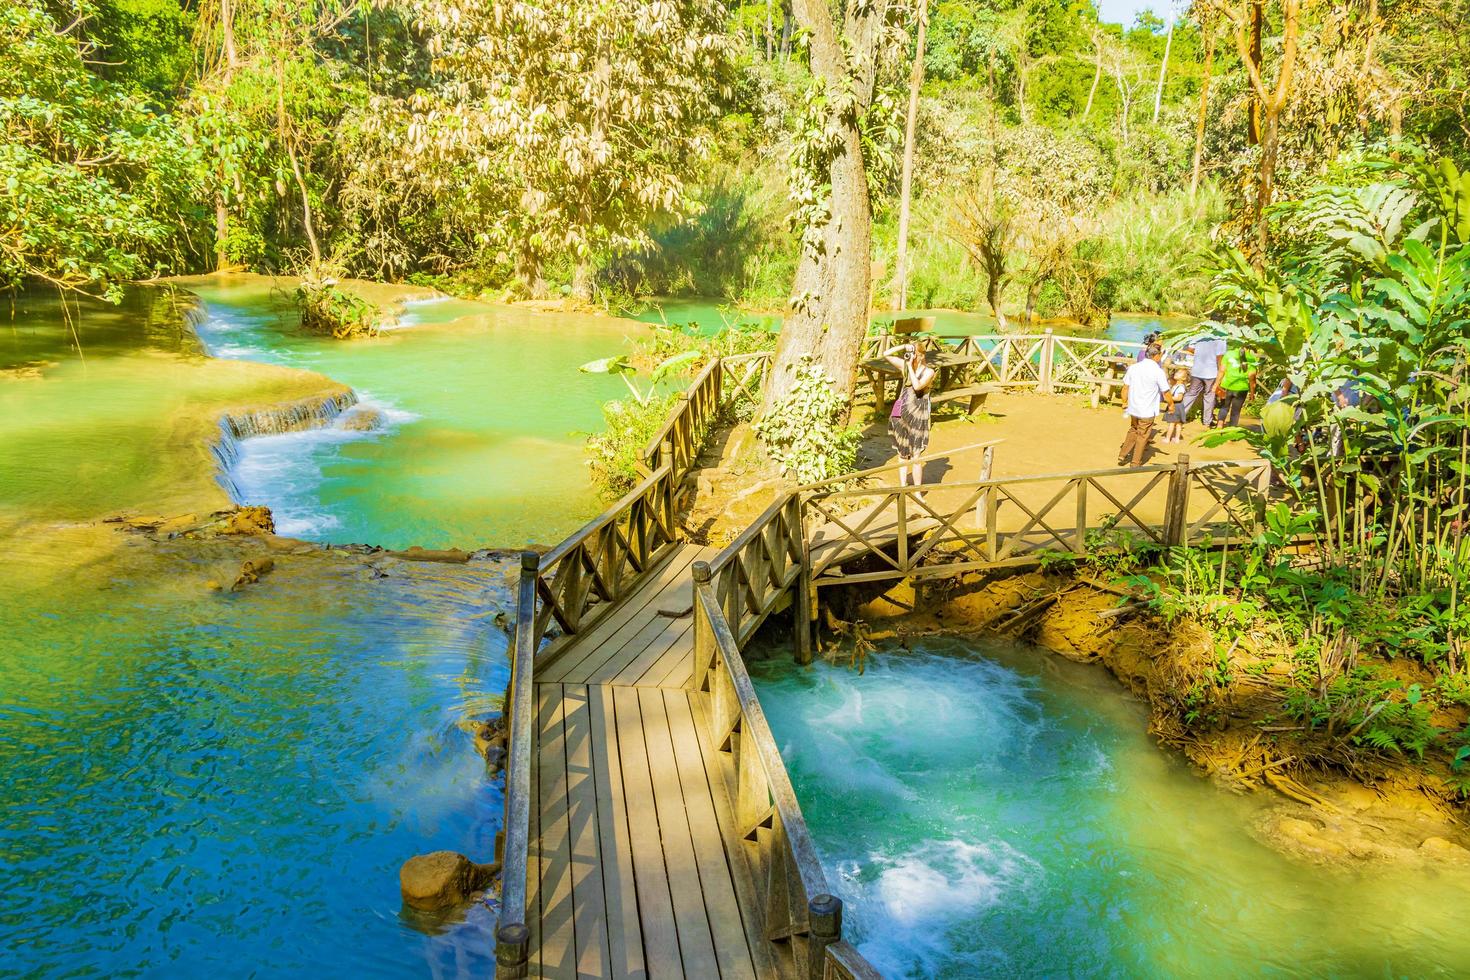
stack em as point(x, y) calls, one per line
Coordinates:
point(441, 880)
point(363, 419)
point(249, 520)
point(1443, 850)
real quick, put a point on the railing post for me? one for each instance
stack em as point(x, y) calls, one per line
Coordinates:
point(512, 952)
point(801, 610)
point(1176, 508)
point(987, 459)
point(702, 638)
point(1048, 353)
point(825, 915)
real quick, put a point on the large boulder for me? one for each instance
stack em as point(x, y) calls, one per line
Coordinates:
point(442, 880)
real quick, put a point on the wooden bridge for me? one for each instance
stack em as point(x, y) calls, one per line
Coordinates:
point(651, 827)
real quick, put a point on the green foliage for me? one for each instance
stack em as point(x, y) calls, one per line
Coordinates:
point(804, 432)
point(327, 308)
point(95, 186)
point(615, 454)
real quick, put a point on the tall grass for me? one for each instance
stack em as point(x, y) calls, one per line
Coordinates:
point(1151, 245)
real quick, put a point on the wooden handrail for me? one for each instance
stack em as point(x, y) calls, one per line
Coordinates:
point(1037, 478)
point(512, 934)
point(681, 408)
point(860, 474)
point(811, 921)
point(612, 513)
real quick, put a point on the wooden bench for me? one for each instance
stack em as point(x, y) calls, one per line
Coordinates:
point(1106, 389)
point(975, 393)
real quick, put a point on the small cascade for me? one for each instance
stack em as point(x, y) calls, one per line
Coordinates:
point(299, 416)
point(309, 413)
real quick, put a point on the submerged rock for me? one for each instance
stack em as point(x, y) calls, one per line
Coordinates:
point(251, 571)
point(442, 879)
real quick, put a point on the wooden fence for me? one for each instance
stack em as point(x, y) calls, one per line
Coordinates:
point(1046, 361)
point(724, 382)
point(799, 912)
point(903, 532)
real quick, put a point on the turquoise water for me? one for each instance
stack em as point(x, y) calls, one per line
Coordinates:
point(989, 810)
point(484, 417)
point(206, 784)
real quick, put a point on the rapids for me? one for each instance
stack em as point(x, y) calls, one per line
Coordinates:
point(985, 809)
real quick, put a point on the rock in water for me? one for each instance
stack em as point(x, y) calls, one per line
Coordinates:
point(249, 520)
point(362, 419)
point(441, 879)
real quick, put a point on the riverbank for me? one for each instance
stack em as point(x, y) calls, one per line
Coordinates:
point(1329, 807)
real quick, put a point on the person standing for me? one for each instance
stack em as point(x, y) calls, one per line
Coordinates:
point(1237, 383)
point(909, 421)
point(1208, 351)
point(1144, 387)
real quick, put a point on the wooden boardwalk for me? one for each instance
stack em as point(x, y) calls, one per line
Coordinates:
point(636, 869)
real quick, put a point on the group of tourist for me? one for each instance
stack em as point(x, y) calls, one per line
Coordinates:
point(1219, 377)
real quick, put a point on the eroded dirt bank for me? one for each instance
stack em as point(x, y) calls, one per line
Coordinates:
point(1334, 806)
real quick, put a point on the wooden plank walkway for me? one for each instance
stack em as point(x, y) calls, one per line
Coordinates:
point(637, 869)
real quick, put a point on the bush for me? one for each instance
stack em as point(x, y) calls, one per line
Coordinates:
point(327, 309)
point(615, 455)
point(803, 431)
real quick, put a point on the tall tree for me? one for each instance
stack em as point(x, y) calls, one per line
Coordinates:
point(1271, 95)
point(831, 288)
point(589, 118)
point(1164, 67)
point(916, 81)
point(1207, 27)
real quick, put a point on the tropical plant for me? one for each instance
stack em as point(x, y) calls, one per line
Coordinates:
point(805, 430)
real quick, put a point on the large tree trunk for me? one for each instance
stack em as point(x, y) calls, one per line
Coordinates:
point(993, 289)
point(582, 280)
point(833, 281)
point(916, 81)
point(1204, 108)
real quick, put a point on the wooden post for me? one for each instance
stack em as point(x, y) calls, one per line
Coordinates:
point(1005, 360)
point(1047, 353)
point(802, 612)
point(702, 638)
point(1079, 543)
point(987, 458)
point(824, 913)
point(666, 453)
point(1176, 508)
point(512, 952)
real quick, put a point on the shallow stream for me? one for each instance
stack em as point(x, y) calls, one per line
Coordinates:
point(201, 783)
point(986, 809)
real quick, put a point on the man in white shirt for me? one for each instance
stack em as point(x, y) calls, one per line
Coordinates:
point(1144, 387)
point(1204, 373)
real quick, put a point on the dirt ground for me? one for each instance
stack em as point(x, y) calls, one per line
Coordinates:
point(1039, 433)
point(1035, 434)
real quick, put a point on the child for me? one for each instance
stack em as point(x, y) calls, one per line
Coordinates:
point(1175, 418)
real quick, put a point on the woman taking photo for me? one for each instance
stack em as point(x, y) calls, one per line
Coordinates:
point(908, 423)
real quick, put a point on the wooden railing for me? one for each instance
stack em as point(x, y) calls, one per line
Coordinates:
point(800, 915)
point(754, 575)
point(905, 532)
point(512, 933)
point(582, 578)
point(1045, 361)
point(683, 432)
point(722, 382)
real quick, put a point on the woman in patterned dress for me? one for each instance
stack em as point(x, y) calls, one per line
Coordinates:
point(909, 421)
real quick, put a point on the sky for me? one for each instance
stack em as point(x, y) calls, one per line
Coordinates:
point(1123, 11)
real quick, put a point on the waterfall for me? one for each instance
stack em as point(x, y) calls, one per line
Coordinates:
point(298, 416)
